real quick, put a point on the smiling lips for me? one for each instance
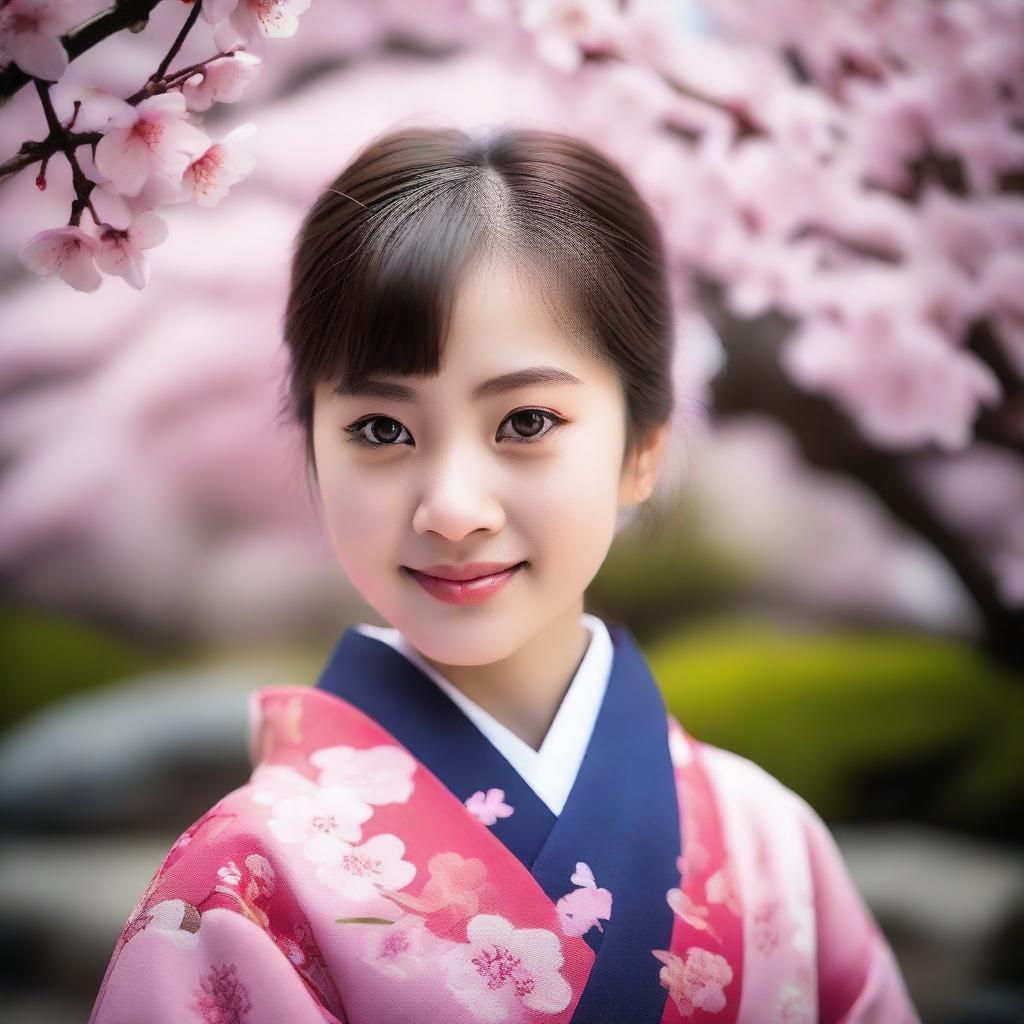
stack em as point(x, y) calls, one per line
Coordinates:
point(468, 584)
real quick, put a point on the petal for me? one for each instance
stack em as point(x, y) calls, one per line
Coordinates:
point(487, 928)
point(550, 994)
point(38, 53)
point(148, 230)
point(277, 19)
point(81, 273)
point(326, 848)
point(124, 160)
point(539, 948)
point(198, 93)
point(102, 111)
point(163, 106)
point(384, 846)
point(215, 11)
point(226, 37)
point(45, 251)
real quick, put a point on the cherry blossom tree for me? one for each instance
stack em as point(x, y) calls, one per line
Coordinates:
point(839, 186)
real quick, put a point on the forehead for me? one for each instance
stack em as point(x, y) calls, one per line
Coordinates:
point(504, 311)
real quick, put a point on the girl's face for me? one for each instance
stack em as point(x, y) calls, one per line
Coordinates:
point(530, 472)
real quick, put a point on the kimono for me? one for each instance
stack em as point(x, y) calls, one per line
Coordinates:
point(362, 876)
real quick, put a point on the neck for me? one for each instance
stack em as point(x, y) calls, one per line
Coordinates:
point(525, 690)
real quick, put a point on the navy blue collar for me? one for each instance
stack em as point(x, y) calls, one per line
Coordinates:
point(621, 817)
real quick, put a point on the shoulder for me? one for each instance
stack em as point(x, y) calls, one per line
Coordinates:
point(752, 804)
point(201, 866)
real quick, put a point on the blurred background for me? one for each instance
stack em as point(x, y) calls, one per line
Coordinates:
point(838, 588)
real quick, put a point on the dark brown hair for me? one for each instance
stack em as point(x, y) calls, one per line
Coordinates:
point(378, 257)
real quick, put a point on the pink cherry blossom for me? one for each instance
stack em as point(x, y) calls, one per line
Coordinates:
point(208, 178)
point(683, 905)
point(563, 29)
point(223, 81)
point(900, 379)
point(100, 111)
point(121, 249)
point(254, 21)
point(489, 808)
point(696, 983)
point(581, 909)
point(361, 872)
point(30, 32)
point(68, 252)
point(153, 137)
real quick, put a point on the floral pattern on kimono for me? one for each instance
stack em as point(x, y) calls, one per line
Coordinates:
point(344, 882)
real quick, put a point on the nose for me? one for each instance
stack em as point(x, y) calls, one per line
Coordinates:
point(456, 499)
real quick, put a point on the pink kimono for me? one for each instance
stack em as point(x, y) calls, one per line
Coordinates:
point(386, 864)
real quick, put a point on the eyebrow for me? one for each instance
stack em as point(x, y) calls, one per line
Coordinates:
point(530, 375)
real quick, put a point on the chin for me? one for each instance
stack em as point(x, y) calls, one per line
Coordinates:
point(451, 644)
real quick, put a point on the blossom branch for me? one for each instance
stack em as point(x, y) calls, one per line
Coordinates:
point(125, 14)
point(82, 185)
point(176, 45)
point(60, 140)
point(147, 150)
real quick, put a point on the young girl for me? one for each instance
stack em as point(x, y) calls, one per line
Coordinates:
point(483, 812)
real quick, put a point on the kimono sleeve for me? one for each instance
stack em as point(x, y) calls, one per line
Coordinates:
point(859, 980)
point(218, 936)
point(228, 969)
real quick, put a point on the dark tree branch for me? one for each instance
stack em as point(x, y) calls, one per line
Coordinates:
point(130, 14)
point(197, 6)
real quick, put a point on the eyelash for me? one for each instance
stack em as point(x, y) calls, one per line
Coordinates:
point(359, 438)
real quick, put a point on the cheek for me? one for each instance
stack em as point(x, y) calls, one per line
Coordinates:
point(573, 504)
point(361, 522)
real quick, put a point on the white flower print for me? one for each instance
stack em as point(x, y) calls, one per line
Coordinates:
point(502, 966)
point(177, 921)
point(326, 822)
point(230, 873)
point(274, 782)
point(379, 775)
point(360, 872)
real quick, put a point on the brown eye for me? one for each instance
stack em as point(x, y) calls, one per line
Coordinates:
point(528, 425)
point(382, 436)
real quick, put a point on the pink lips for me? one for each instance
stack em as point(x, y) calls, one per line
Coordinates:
point(465, 591)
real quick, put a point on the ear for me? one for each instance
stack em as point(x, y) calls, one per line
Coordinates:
point(642, 467)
